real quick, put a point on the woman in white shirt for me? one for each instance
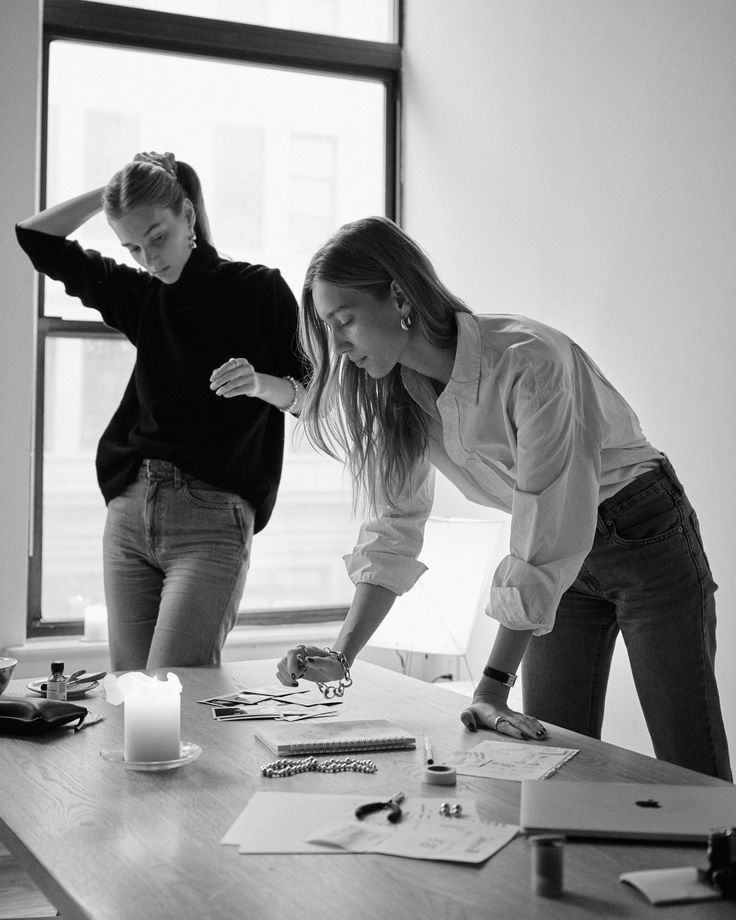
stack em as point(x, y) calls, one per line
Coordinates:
point(603, 539)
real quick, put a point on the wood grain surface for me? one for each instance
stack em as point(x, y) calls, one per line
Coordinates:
point(105, 843)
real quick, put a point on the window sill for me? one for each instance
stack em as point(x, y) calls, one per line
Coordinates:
point(243, 644)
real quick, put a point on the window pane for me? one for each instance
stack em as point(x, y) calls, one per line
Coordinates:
point(285, 158)
point(84, 379)
point(372, 20)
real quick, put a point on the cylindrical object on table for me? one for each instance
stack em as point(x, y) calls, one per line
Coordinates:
point(95, 623)
point(439, 775)
point(152, 725)
point(547, 865)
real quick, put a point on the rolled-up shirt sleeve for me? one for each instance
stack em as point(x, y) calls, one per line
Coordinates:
point(554, 507)
point(388, 544)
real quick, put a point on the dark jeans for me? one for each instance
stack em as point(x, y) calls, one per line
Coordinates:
point(176, 555)
point(647, 575)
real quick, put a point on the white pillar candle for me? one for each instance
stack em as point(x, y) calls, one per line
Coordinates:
point(95, 623)
point(152, 727)
point(151, 715)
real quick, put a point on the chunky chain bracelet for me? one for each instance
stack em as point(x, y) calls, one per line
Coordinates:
point(345, 681)
point(312, 765)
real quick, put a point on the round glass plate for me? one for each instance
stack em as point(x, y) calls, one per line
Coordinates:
point(189, 752)
point(77, 691)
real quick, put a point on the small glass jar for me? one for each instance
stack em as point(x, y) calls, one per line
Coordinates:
point(56, 682)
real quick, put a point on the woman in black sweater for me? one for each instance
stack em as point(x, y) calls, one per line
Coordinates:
point(188, 473)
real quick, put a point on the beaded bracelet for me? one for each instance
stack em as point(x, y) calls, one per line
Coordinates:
point(295, 400)
point(311, 765)
point(344, 682)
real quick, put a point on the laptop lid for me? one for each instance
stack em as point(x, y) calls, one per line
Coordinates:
point(645, 811)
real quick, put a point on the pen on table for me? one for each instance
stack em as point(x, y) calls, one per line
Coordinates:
point(428, 753)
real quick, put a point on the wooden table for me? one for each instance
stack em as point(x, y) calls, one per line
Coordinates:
point(105, 843)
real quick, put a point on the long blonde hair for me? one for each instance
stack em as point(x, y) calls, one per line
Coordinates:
point(372, 424)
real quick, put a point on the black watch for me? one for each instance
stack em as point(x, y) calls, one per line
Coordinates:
point(503, 677)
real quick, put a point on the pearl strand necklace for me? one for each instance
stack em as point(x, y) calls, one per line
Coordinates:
point(311, 764)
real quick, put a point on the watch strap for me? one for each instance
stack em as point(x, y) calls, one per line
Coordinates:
point(503, 677)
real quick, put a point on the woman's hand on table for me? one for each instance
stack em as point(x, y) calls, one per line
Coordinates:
point(236, 377)
point(490, 710)
point(308, 662)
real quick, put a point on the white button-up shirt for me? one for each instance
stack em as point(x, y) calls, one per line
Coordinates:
point(527, 424)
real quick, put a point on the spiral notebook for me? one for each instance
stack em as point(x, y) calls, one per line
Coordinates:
point(334, 737)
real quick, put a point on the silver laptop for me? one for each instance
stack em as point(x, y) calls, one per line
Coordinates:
point(644, 811)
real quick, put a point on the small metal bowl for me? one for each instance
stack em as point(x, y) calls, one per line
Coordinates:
point(7, 666)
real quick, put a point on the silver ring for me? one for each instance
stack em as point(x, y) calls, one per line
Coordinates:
point(497, 721)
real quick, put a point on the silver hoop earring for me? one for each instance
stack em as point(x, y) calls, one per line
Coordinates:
point(406, 322)
point(192, 239)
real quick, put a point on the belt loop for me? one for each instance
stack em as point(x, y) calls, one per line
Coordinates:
point(600, 526)
point(177, 477)
point(670, 473)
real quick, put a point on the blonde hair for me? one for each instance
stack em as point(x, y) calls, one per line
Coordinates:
point(159, 180)
point(372, 424)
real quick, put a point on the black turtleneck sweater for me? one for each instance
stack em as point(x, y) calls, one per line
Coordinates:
point(215, 311)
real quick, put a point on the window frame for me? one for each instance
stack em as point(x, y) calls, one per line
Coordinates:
point(148, 30)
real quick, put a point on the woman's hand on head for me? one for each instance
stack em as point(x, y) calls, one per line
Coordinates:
point(236, 377)
point(307, 662)
point(490, 710)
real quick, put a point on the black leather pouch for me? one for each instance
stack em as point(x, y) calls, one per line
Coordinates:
point(19, 716)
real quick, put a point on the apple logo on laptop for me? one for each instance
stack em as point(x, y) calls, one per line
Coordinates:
point(648, 803)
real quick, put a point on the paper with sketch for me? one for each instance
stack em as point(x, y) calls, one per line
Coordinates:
point(509, 760)
point(286, 822)
point(423, 833)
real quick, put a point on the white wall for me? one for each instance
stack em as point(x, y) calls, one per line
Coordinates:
point(573, 160)
point(20, 25)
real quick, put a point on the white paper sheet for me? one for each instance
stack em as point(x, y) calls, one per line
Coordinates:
point(509, 760)
point(671, 886)
point(281, 822)
point(274, 822)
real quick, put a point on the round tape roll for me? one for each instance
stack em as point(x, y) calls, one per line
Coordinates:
point(439, 775)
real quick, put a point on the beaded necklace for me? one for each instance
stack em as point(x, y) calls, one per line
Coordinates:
point(311, 764)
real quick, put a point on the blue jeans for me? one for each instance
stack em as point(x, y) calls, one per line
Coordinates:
point(176, 554)
point(647, 576)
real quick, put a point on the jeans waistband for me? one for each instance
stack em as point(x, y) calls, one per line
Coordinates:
point(164, 470)
point(663, 473)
